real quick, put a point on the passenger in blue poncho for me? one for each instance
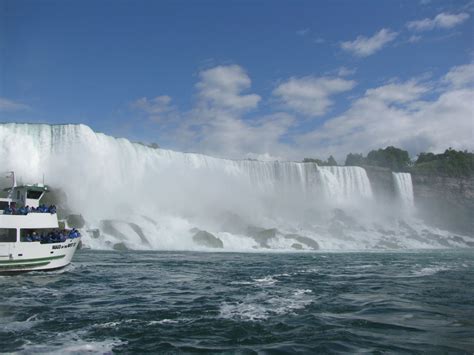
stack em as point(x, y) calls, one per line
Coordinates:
point(8, 210)
point(35, 237)
point(74, 233)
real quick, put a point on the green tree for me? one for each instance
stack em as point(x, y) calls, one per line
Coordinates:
point(314, 160)
point(331, 161)
point(450, 163)
point(425, 157)
point(391, 157)
point(355, 160)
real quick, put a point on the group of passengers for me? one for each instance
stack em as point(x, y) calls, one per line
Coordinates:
point(56, 236)
point(24, 210)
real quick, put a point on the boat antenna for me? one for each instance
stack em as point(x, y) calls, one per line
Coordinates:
point(12, 175)
point(43, 179)
point(13, 178)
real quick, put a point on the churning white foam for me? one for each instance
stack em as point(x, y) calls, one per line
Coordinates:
point(71, 343)
point(430, 270)
point(265, 304)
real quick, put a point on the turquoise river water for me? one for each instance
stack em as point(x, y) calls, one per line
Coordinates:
point(187, 302)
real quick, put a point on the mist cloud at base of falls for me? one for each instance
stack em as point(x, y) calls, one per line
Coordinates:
point(168, 193)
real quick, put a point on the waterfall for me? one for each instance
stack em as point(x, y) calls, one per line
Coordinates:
point(117, 164)
point(345, 183)
point(156, 198)
point(404, 189)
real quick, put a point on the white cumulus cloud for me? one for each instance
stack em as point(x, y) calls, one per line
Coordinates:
point(311, 95)
point(158, 109)
point(158, 104)
point(398, 114)
point(228, 135)
point(413, 114)
point(397, 92)
point(442, 20)
point(222, 86)
point(344, 71)
point(414, 39)
point(364, 46)
point(460, 76)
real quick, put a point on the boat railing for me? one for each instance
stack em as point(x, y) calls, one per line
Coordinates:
point(9, 210)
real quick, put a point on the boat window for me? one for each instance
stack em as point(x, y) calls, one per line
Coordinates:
point(7, 235)
point(3, 205)
point(40, 231)
point(25, 232)
point(34, 194)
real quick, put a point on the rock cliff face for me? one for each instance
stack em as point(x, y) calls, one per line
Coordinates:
point(445, 202)
point(381, 181)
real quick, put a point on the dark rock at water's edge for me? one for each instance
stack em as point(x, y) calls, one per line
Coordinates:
point(95, 233)
point(208, 240)
point(75, 221)
point(262, 236)
point(137, 229)
point(120, 247)
point(310, 243)
point(109, 226)
point(151, 220)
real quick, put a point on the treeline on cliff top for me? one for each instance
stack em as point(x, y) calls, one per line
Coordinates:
point(452, 163)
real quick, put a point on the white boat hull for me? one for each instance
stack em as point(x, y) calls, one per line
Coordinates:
point(34, 256)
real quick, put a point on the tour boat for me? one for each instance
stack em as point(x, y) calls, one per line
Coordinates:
point(30, 238)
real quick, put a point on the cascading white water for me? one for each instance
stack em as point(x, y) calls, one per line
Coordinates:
point(118, 165)
point(345, 183)
point(154, 198)
point(404, 189)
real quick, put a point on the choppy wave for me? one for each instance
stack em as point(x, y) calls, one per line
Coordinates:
point(181, 302)
point(75, 346)
point(430, 270)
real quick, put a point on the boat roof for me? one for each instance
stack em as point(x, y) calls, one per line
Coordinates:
point(30, 187)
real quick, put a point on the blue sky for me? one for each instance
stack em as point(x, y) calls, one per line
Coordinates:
point(265, 79)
